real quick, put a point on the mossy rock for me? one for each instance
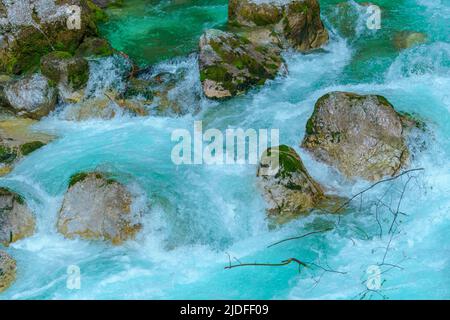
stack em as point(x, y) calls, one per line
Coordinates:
point(30, 147)
point(288, 188)
point(97, 14)
point(7, 154)
point(95, 47)
point(231, 65)
point(16, 219)
point(77, 177)
point(62, 67)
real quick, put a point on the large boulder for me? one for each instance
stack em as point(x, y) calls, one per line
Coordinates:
point(7, 271)
point(32, 96)
point(230, 65)
point(33, 28)
point(98, 208)
point(18, 140)
point(16, 219)
point(69, 72)
point(296, 21)
point(361, 135)
point(289, 190)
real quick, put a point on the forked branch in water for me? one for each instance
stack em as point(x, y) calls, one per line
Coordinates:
point(345, 204)
point(282, 263)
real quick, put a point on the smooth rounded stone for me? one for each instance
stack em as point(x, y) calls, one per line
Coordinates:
point(97, 208)
point(289, 190)
point(296, 22)
point(360, 135)
point(7, 271)
point(16, 219)
point(93, 47)
point(407, 39)
point(231, 65)
point(32, 96)
point(35, 28)
point(62, 68)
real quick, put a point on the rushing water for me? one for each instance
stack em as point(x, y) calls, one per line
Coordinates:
point(198, 216)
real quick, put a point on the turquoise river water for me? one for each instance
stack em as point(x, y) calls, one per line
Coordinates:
point(196, 217)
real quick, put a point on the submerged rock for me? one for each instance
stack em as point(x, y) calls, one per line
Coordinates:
point(290, 191)
point(297, 22)
point(98, 208)
point(16, 219)
point(167, 93)
point(69, 72)
point(34, 28)
point(361, 135)
point(230, 65)
point(349, 18)
point(105, 107)
point(32, 96)
point(407, 39)
point(7, 271)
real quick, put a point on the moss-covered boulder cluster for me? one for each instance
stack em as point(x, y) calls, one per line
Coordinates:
point(43, 56)
point(362, 136)
point(33, 29)
point(296, 22)
point(250, 53)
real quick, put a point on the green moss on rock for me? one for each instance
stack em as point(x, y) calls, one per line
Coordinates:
point(61, 67)
point(77, 177)
point(230, 64)
point(95, 47)
point(7, 154)
point(30, 43)
point(29, 147)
